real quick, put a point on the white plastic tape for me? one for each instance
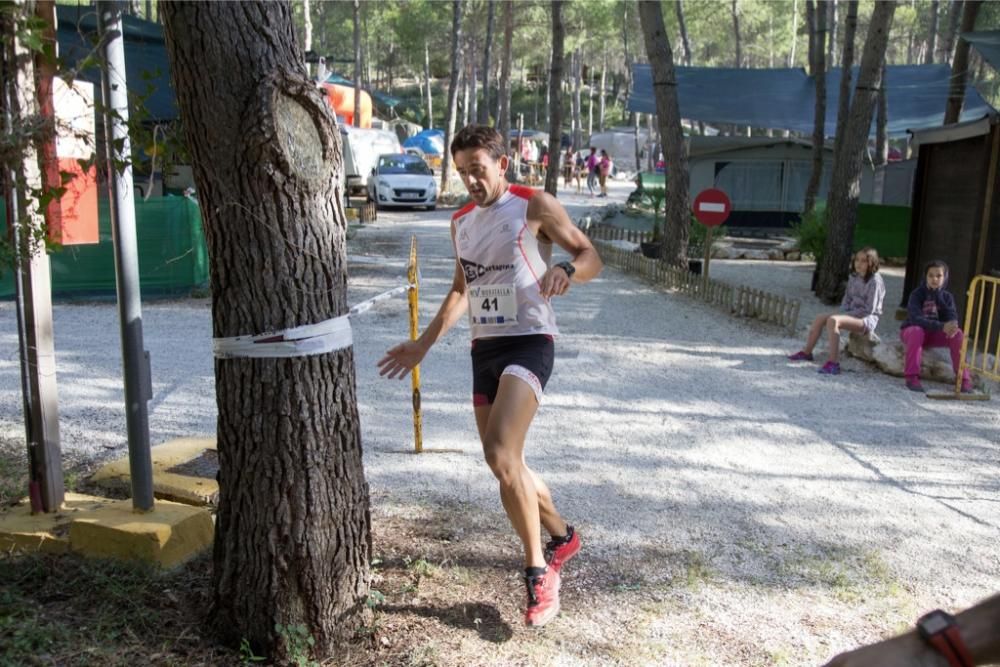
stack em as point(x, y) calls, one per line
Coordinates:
point(303, 341)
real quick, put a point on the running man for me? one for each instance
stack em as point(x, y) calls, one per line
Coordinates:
point(503, 241)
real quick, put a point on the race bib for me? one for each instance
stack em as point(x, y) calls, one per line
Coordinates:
point(494, 305)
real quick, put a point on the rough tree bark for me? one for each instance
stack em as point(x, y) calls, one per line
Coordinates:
point(831, 32)
point(846, 63)
point(881, 123)
point(293, 533)
point(842, 201)
point(818, 71)
point(503, 112)
point(576, 119)
point(555, 106)
point(960, 64)
point(452, 110)
point(685, 42)
point(628, 57)
point(661, 59)
point(738, 61)
point(948, 42)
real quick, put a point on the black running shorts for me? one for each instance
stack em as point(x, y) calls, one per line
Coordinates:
point(529, 358)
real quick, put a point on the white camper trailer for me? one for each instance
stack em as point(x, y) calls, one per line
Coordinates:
point(620, 145)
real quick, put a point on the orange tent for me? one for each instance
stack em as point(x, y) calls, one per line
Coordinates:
point(341, 100)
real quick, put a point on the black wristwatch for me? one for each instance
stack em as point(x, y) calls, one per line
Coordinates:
point(940, 631)
point(568, 268)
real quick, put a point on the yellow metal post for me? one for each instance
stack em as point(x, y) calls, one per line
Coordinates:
point(413, 296)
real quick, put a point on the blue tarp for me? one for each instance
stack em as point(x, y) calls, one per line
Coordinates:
point(784, 99)
point(428, 141)
point(987, 42)
point(147, 70)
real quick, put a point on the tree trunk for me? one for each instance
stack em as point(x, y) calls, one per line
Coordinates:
point(576, 104)
point(628, 56)
point(881, 121)
point(932, 33)
point(819, 114)
point(846, 63)
point(603, 90)
point(293, 532)
point(357, 63)
point(948, 43)
point(661, 59)
point(590, 98)
point(473, 73)
point(842, 201)
point(831, 31)
point(427, 81)
point(738, 62)
point(685, 42)
point(503, 114)
point(555, 86)
point(451, 113)
point(307, 42)
point(484, 110)
point(795, 32)
point(960, 64)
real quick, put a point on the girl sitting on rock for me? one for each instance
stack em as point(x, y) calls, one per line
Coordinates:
point(931, 321)
point(859, 311)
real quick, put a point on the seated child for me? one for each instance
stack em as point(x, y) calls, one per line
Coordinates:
point(859, 311)
point(931, 321)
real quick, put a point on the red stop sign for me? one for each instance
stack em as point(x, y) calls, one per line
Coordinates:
point(711, 207)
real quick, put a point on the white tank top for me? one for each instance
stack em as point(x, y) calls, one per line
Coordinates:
point(503, 263)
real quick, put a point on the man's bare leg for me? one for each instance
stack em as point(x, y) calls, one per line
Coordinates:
point(503, 427)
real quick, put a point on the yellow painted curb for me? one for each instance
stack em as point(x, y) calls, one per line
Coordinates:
point(168, 536)
point(184, 488)
point(47, 533)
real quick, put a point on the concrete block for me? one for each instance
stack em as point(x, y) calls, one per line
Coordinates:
point(21, 530)
point(168, 536)
point(170, 479)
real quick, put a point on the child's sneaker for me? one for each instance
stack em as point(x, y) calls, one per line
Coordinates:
point(801, 356)
point(914, 385)
point(557, 552)
point(543, 597)
point(830, 368)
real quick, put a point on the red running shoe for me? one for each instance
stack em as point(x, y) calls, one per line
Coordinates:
point(543, 598)
point(557, 552)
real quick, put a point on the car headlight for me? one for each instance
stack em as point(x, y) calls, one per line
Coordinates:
point(383, 185)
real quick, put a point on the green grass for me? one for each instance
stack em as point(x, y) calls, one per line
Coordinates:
point(65, 610)
point(13, 475)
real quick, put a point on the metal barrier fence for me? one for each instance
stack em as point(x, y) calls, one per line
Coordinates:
point(737, 300)
point(981, 343)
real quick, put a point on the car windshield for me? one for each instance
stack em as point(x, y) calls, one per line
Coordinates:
point(402, 164)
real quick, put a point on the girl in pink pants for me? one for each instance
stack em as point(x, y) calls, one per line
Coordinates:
point(932, 321)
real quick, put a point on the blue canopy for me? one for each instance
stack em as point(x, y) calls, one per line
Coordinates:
point(429, 141)
point(785, 98)
point(987, 42)
point(147, 70)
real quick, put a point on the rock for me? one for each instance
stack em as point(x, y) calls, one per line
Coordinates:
point(776, 254)
point(887, 355)
point(793, 255)
point(789, 244)
point(755, 254)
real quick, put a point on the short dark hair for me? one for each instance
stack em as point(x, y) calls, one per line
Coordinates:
point(873, 261)
point(479, 136)
point(936, 264)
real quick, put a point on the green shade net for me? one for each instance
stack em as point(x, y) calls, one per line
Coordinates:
point(173, 259)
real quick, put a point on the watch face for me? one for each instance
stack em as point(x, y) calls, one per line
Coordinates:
point(934, 623)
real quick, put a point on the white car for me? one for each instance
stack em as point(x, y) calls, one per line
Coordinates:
point(401, 179)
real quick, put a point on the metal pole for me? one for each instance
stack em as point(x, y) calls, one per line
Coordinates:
point(413, 294)
point(135, 359)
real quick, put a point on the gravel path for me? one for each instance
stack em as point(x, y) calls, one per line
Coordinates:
point(820, 511)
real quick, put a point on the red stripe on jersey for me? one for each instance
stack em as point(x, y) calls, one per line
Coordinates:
point(523, 191)
point(462, 211)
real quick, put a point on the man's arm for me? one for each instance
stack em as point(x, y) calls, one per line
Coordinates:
point(550, 221)
point(400, 360)
point(978, 625)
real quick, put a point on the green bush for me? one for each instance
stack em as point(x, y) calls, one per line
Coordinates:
point(657, 198)
point(697, 233)
point(811, 232)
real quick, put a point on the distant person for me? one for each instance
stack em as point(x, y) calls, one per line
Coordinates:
point(591, 162)
point(505, 280)
point(581, 167)
point(604, 167)
point(859, 311)
point(931, 321)
point(969, 638)
point(568, 167)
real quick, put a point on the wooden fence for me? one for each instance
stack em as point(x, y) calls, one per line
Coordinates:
point(739, 300)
